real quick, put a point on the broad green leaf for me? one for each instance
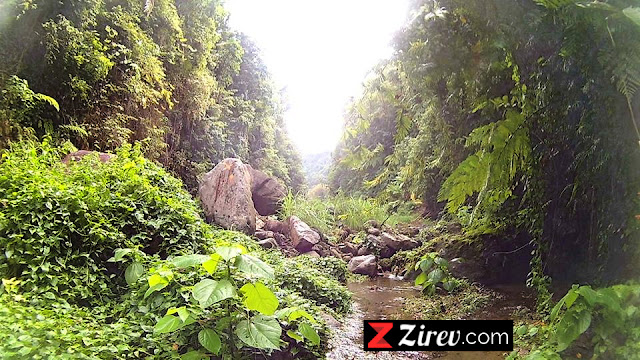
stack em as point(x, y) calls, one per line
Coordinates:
point(209, 340)
point(435, 276)
point(229, 252)
point(584, 321)
point(590, 295)
point(154, 288)
point(211, 264)
point(521, 330)
point(119, 254)
point(167, 324)
point(574, 322)
point(156, 279)
point(254, 266)
point(259, 298)
point(295, 336)
point(449, 285)
point(262, 332)
point(424, 264)
point(189, 260)
point(182, 311)
point(442, 262)
point(421, 279)
point(208, 292)
point(298, 313)
point(133, 273)
point(194, 355)
point(570, 298)
point(309, 332)
point(556, 309)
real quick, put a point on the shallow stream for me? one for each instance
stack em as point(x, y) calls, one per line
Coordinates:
point(384, 298)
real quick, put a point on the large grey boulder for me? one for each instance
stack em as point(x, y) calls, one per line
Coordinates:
point(302, 236)
point(225, 193)
point(267, 192)
point(365, 265)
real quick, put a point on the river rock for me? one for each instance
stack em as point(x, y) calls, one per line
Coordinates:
point(302, 236)
point(373, 231)
point(398, 242)
point(312, 254)
point(365, 265)
point(363, 250)
point(348, 248)
point(386, 252)
point(225, 193)
point(336, 253)
point(267, 192)
point(259, 223)
point(276, 226)
point(468, 269)
point(371, 223)
point(264, 234)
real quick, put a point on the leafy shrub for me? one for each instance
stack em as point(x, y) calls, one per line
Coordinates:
point(60, 223)
point(301, 276)
point(63, 331)
point(610, 313)
point(220, 304)
point(434, 271)
point(331, 266)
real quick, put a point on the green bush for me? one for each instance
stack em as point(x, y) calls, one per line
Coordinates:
point(331, 266)
point(102, 261)
point(606, 317)
point(63, 331)
point(196, 301)
point(60, 223)
point(312, 283)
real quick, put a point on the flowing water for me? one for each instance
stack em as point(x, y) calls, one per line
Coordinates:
point(384, 298)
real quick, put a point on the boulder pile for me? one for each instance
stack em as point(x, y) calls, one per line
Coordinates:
point(236, 196)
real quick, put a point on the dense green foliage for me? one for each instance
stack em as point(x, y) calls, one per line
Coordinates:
point(57, 217)
point(103, 73)
point(516, 117)
point(607, 318)
point(115, 260)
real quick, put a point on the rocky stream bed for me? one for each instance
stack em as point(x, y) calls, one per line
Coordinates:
point(387, 297)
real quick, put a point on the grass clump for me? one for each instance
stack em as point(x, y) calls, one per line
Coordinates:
point(467, 299)
point(353, 212)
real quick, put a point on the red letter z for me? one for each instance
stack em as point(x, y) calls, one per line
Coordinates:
point(378, 341)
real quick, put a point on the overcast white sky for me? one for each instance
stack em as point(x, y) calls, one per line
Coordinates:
point(320, 51)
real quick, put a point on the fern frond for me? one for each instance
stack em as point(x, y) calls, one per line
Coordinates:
point(504, 151)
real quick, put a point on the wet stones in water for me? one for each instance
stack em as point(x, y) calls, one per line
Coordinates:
point(365, 265)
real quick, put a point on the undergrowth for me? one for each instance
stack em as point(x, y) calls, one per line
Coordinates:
point(344, 211)
point(105, 259)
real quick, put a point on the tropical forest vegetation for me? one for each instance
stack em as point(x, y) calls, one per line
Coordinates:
point(487, 170)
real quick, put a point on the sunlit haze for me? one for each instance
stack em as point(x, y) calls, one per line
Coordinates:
point(319, 51)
